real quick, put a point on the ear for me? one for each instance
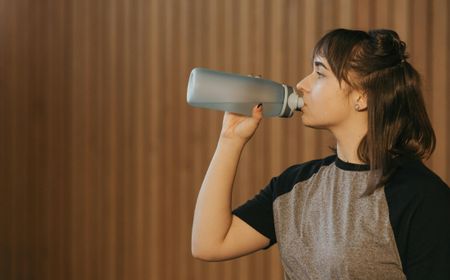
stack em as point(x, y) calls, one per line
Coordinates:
point(360, 101)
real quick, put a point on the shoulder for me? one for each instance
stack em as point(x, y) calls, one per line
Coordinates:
point(415, 180)
point(416, 197)
point(298, 173)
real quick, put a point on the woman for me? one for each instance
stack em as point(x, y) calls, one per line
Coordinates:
point(372, 210)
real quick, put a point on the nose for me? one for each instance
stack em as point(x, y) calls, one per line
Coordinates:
point(304, 85)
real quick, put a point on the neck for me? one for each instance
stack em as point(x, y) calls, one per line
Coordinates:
point(347, 145)
point(348, 152)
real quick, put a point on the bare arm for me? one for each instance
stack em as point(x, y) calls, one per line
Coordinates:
point(216, 233)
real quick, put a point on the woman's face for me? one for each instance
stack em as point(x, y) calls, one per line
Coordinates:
point(327, 105)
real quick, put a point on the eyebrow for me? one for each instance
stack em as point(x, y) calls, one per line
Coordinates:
point(318, 64)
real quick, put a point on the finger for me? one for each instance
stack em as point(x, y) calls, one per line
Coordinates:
point(254, 76)
point(257, 112)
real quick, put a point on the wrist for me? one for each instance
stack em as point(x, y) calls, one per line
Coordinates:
point(231, 143)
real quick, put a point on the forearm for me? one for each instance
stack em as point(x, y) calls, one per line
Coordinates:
point(212, 216)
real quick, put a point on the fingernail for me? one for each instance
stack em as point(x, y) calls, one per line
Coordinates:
point(259, 105)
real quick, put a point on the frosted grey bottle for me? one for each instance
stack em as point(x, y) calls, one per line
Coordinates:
point(239, 94)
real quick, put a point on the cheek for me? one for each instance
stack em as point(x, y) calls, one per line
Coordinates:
point(321, 95)
point(327, 100)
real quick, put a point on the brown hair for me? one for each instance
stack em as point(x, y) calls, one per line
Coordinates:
point(398, 125)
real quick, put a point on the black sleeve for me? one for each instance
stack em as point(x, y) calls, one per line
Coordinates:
point(419, 209)
point(428, 252)
point(258, 212)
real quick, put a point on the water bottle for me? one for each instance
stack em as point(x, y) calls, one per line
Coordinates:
point(239, 94)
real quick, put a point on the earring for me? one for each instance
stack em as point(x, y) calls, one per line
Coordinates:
point(357, 107)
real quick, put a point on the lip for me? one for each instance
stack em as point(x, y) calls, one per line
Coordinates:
point(303, 107)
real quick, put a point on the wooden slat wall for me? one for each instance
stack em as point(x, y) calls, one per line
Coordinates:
point(101, 159)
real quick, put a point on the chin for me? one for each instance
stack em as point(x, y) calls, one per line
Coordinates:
point(314, 125)
point(307, 122)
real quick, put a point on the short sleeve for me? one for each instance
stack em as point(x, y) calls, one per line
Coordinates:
point(419, 212)
point(258, 212)
point(428, 249)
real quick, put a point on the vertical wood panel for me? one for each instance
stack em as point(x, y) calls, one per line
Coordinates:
point(111, 162)
point(101, 159)
point(140, 140)
point(382, 9)
point(76, 227)
point(155, 246)
point(440, 74)
point(346, 13)
point(401, 20)
point(6, 257)
point(446, 139)
point(363, 14)
point(5, 215)
point(170, 131)
point(185, 188)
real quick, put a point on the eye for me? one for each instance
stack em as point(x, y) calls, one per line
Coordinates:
point(319, 74)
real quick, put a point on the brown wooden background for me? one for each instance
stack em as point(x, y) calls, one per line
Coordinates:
point(101, 159)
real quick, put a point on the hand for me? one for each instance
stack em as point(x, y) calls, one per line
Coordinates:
point(239, 127)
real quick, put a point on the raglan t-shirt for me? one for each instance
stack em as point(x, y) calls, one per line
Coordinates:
point(326, 229)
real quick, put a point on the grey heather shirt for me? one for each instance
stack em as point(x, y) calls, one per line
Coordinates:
point(326, 230)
